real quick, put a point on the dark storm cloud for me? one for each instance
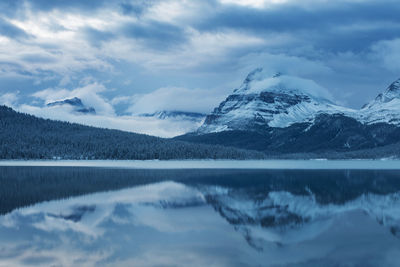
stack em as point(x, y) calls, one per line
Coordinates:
point(9, 30)
point(47, 5)
point(156, 35)
point(323, 26)
point(357, 40)
point(10, 8)
point(96, 37)
point(33, 58)
point(152, 34)
point(134, 8)
point(330, 26)
point(15, 8)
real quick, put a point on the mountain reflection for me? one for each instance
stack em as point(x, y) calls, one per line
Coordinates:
point(23, 186)
point(219, 217)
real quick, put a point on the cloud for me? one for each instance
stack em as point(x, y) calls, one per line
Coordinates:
point(202, 50)
point(316, 22)
point(136, 7)
point(10, 30)
point(9, 8)
point(176, 98)
point(155, 34)
point(96, 37)
point(388, 53)
point(38, 58)
point(254, 3)
point(89, 94)
point(44, 5)
point(344, 45)
point(51, 239)
point(293, 65)
point(137, 124)
point(106, 117)
point(121, 99)
point(9, 99)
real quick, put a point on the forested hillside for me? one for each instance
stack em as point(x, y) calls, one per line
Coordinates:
point(23, 136)
point(331, 136)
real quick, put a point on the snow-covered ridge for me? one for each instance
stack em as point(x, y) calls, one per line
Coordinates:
point(274, 101)
point(384, 108)
point(279, 100)
point(283, 217)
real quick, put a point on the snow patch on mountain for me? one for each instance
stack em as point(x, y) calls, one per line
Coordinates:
point(385, 108)
point(271, 101)
point(285, 218)
point(259, 81)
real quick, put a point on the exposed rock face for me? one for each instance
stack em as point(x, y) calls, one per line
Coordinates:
point(384, 108)
point(285, 114)
point(270, 101)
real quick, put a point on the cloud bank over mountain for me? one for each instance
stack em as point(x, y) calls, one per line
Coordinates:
point(125, 57)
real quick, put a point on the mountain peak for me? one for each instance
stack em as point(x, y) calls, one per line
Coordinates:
point(260, 82)
point(385, 107)
point(252, 74)
point(260, 74)
point(74, 102)
point(394, 88)
point(277, 74)
point(391, 92)
point(264, 101)
point(250, 77)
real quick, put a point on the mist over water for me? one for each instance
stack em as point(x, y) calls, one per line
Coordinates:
point(218, 217)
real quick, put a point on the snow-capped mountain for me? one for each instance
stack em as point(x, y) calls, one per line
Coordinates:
point(285, 218)
point(271, 101)
point(278, 101)
point(384, 108)
point(286, 114)
point(76, 103)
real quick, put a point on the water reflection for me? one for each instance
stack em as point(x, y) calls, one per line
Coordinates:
point(199, 217)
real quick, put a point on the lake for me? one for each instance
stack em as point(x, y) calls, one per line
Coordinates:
point(197, 213)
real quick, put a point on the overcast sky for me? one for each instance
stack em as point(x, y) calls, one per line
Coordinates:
point(127, 57)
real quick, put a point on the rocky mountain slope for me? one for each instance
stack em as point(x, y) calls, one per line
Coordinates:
point(271, 101)
point(384, 108)
point(286, 114)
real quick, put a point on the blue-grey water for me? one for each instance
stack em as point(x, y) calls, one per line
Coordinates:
point(114, 216)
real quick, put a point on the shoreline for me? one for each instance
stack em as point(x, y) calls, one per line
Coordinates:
point(353, 164)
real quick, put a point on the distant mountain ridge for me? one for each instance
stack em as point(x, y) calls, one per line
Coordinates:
point(175, 114)
point(286, 114)
point(278, 115)
point(76, 103)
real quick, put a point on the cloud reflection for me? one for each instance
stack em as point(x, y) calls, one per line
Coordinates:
point(169, 223)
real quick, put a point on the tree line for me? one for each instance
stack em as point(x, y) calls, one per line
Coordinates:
point(24, 136)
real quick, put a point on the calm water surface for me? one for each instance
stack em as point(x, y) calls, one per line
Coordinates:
point(81, 216)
